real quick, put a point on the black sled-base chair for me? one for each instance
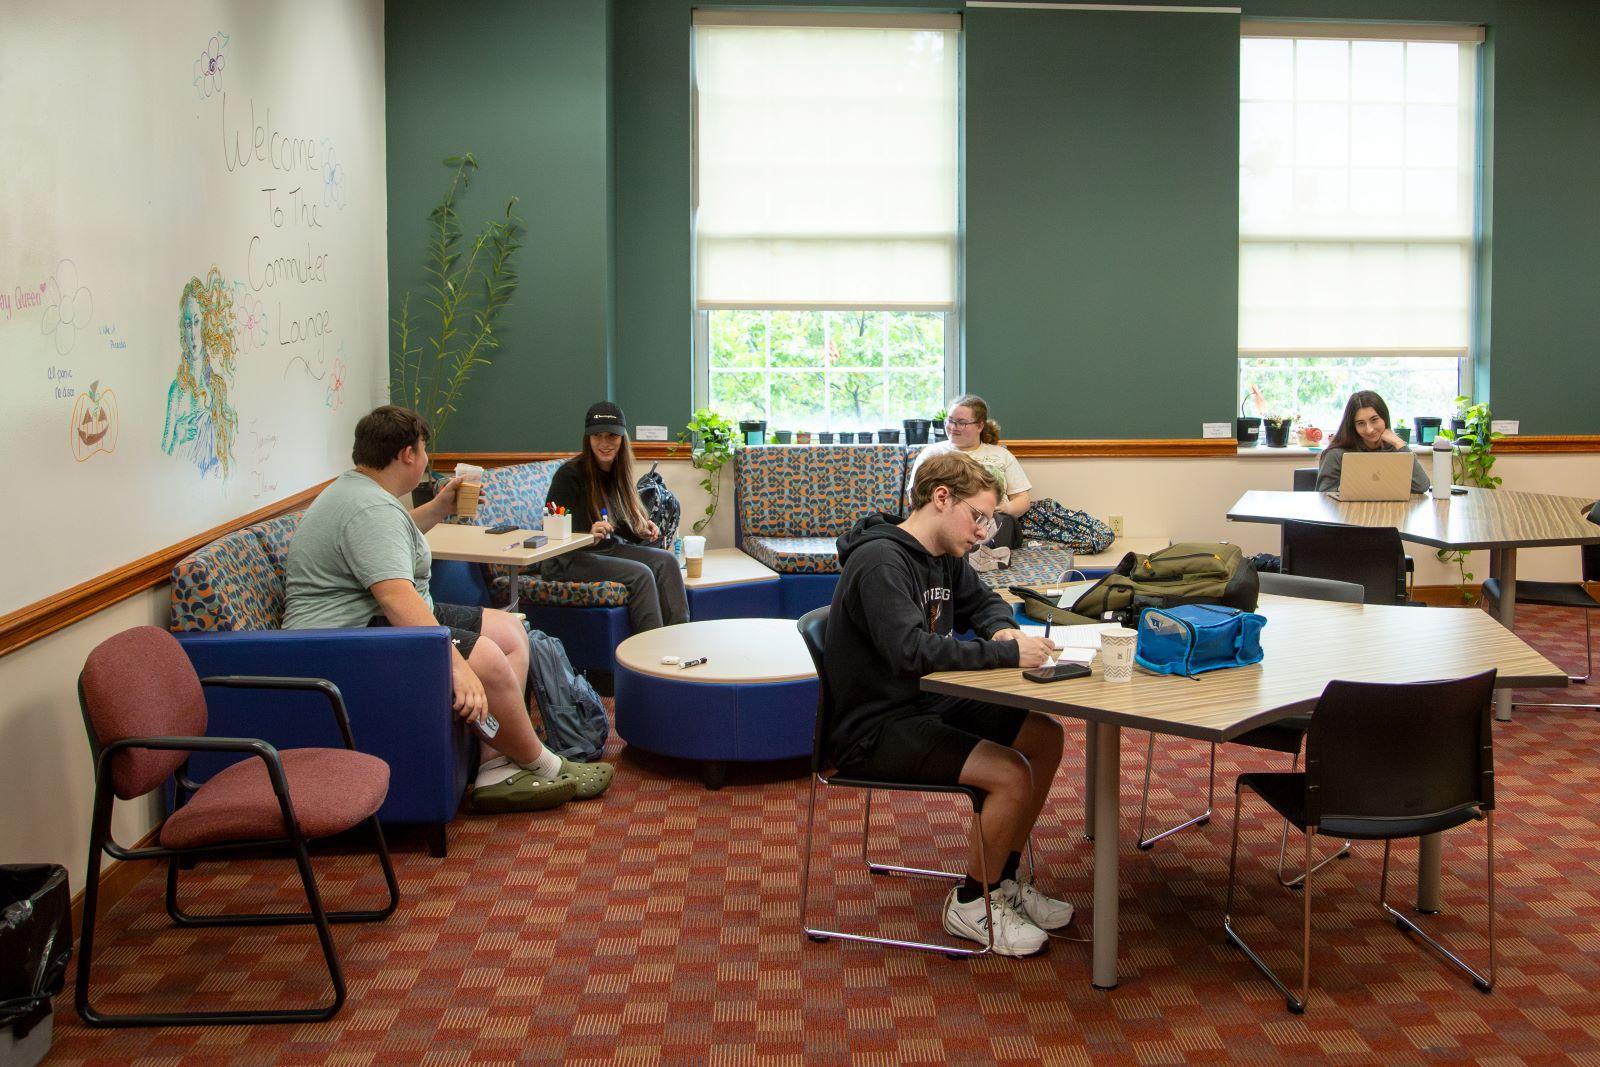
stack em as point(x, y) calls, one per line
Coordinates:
point(1383, 763)
point(1578, 595)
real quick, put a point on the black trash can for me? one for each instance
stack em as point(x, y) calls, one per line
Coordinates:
point(35, 945)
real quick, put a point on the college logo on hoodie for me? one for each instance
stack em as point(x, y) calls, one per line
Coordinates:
point(934, 600)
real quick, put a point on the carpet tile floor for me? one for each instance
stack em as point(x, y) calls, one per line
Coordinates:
point(659, 925)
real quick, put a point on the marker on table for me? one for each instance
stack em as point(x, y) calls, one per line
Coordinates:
point(692, 663)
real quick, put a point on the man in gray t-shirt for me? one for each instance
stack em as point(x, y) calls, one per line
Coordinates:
point(358, 558)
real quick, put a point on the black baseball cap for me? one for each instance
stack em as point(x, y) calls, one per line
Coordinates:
point(605, 417)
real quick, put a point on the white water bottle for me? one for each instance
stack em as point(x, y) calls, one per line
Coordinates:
point(1443, 467)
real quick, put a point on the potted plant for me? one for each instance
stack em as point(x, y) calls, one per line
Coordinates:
point(781, 437)
point(1247, 428)
point(711, 440)
point(938, 422)
point(1276, 430)
point(1472, 465)
point(754, 431)
point(1427, 428)
point(1402, 431)
point(825, 437)
point(802, 437)
point(469, 285)
point(916, 430)
point(864, 437)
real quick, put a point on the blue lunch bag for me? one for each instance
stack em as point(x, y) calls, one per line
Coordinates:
point(1191, 639)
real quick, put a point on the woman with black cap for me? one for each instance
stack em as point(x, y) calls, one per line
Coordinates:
point(596, 487)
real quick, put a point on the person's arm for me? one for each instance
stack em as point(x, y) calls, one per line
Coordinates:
point(890, 609)
point(1017, 487)
point(566, 491)
point(1328, 468)
point(1420, 482)
point(978, 607)
point(441, 507)
point(1015, 504)
point(403, 606)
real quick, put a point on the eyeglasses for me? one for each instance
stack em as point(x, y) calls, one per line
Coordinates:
point(962, 424)
point(986, 521)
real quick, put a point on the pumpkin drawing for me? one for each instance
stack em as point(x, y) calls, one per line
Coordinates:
point(94, 422)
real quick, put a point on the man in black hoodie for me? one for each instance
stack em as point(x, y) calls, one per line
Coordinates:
point(906, 588)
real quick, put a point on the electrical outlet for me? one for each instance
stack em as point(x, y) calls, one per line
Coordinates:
point(1116, 525)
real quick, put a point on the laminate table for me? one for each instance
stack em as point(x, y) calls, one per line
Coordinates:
point(1501, 520)
point(1308, 644)
point(474, 544)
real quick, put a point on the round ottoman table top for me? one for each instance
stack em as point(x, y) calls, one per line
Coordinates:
point(736, 651)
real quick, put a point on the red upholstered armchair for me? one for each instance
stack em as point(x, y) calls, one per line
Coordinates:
point(145, 711)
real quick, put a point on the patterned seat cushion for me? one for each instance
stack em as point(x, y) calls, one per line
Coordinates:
point(795, 555)
point(533, 589)
point(1034, 564)
point(230, 584)
point(806, 491)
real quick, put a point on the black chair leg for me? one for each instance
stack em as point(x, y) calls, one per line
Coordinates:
point(1484, 983)
point(1295, 1003)
point(1148, 843)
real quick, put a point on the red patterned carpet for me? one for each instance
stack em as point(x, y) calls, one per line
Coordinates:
point(659, 925)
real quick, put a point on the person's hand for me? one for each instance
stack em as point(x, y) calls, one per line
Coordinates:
point(446, 496)
point(652, 532)
point(466, 692)
point(602, 529)
point(1392, 439)
point(1034, 651)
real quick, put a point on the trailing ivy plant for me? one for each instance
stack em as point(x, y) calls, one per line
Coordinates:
point(1472, 464)
point(711, 439)
point(468, 288)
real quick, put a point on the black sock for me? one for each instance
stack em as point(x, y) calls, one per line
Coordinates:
point(1013, 861)
point(969, 890)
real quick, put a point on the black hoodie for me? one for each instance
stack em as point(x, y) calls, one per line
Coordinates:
point(893, 613)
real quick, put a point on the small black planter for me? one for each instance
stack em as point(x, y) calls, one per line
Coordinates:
point(1247, 430)
point(917, 431)
point(1427, 428)
point(1404, 433)
point(825, 437)
point(781, 437)
point(1277, 435)
point(864, 437)
point(1459, 427)
point(754, 431)
point(888, 437)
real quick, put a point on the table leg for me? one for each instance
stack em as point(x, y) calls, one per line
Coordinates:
point(1430, 849)
point(515, 574)
point(1089, 760)
point(1508, 617)
point(1108, 778)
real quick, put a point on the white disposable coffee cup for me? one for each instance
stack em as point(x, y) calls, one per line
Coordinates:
point(694, 547)
point(1116, 653)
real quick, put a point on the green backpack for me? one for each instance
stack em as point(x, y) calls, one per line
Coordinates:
point(1184, 573)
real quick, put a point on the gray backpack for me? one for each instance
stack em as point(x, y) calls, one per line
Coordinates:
point(575, 723)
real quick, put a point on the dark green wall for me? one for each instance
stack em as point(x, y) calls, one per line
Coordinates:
point(1101, 193)
point(524, 87)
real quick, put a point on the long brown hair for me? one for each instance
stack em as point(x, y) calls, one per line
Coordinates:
point(990, 434)
point(1346, 436)
point(614, 484)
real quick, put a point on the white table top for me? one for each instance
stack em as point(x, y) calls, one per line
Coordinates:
point(473, 544)
point(1308, 643)
point(730, 566)
point(1481, 518)
point(736, 651)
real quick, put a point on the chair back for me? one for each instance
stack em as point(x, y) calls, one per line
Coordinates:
point(1401, 752)
point(1305, 479)
point(1369, 556)
point(1297, 585)
point(1591, 563)
point(813, 627)
point(139, 683)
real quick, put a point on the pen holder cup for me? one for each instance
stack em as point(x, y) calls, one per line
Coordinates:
point(558, 527)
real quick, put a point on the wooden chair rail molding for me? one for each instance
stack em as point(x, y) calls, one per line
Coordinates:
point(44, 617)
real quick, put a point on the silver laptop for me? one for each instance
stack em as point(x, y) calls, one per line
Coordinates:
point(1374, 476)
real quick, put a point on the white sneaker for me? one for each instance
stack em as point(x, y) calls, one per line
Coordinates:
point(1014, 935)
point(1046, 913)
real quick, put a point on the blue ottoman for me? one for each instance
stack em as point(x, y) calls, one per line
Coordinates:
point(733, 585)
point(755, 697)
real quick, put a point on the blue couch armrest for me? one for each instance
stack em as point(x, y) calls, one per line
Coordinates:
point(396, 685)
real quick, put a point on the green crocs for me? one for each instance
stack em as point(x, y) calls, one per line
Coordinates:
point(592, 778)
point(525, 791)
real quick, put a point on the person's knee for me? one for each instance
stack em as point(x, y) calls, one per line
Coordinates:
point(1002, 772)
point(491, 666)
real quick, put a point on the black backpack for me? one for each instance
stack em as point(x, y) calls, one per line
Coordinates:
point(661, 506)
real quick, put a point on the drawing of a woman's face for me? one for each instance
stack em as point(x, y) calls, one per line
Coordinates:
point(190, 334)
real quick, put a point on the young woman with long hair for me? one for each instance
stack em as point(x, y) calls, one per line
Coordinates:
point(972, 432)
point(596, 488)
point(1364, 428)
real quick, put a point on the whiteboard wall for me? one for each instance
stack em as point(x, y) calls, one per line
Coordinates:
point(193, 279)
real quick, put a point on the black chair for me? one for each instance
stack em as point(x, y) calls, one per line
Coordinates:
point(813, 629)
point(1284, 735)
point(1560, 595)
point(1305, 481)
point(1369, 556)
point(1383, 763)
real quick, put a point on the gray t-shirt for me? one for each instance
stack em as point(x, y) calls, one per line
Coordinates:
point(354, 535)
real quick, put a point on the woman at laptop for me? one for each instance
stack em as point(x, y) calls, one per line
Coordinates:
point(1364, 428)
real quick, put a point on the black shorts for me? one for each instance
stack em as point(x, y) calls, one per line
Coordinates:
point(465, 623)
point(932, 744)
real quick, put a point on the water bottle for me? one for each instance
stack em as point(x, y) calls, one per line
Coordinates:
point(1443, 467)
point(677, 550)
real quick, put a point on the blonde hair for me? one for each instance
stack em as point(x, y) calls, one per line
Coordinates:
point(990, 434)
point(955, 471)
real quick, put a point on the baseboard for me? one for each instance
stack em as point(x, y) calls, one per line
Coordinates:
point(117, 880)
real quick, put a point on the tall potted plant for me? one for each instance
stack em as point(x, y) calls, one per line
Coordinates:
point(1473, 465)
point(711, 440)
point(469, 286)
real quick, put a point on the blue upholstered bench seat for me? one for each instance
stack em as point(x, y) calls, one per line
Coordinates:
point(795, 555)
